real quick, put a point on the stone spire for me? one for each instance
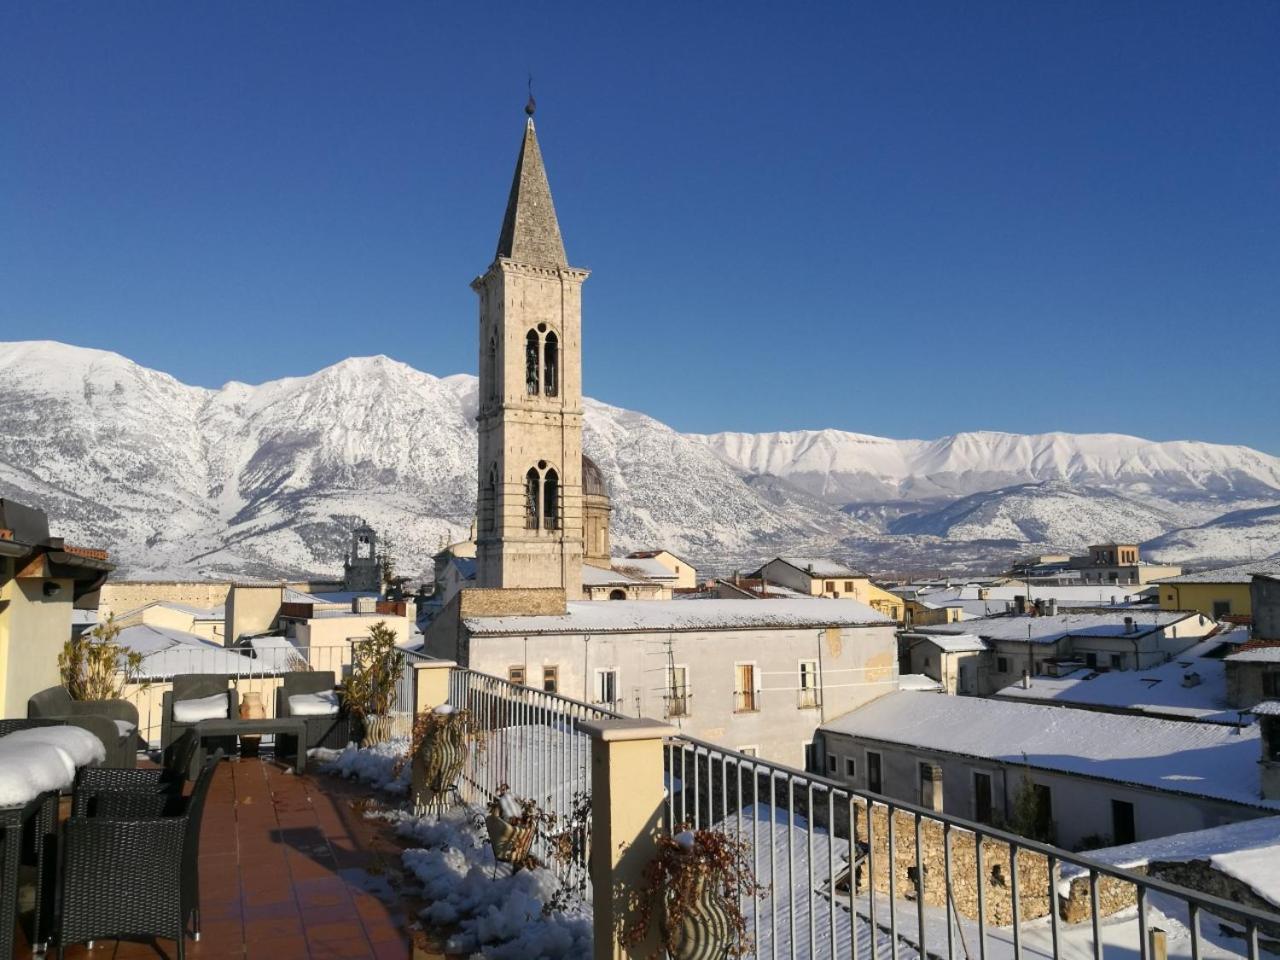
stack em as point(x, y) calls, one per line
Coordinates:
point(530, 232)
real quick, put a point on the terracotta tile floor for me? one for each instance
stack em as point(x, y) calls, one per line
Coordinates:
point(289, 870)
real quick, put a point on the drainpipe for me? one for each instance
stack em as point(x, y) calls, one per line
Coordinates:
point(822, 684)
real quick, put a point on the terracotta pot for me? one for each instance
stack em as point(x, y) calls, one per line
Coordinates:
point(377, 729)
point(251, 708)
point(510, 843)
point(705, 930)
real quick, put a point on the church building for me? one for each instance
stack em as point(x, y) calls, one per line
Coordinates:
point(752, 674)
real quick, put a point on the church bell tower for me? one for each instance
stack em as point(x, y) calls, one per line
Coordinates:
point(530, 406)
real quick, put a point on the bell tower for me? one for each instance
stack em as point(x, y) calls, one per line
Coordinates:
point(530, 406)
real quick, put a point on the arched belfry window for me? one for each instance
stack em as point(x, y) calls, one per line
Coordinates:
point(551, 500)
point(532, 482)
point(531, 363)
point(551, 365)
point(490, 516)
point(491, 369)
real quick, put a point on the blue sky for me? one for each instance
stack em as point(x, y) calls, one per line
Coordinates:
point(905, 219)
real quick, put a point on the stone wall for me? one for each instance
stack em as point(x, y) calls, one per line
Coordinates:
point(511, 602)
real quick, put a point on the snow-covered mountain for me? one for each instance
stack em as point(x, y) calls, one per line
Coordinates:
point(266, 480)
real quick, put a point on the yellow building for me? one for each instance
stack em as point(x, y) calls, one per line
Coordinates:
point(816, 577)
point(40, 579)
point(1216, 593)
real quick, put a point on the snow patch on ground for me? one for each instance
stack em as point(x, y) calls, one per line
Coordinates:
point(375, 765)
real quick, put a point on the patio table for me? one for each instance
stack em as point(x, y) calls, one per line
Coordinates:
point(40, 761)
point(296, 726)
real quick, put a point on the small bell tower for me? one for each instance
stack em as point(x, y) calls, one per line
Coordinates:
point(362, 570)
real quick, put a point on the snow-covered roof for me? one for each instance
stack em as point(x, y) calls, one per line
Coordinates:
point(918, 681)
point(1249, 851)
point(599, 577)
point(1204, 759)
point(1158, 690)
point(1267, 708)
point(635, 616)
point(168, 652)
point(218, 612)
point(952, 643)
point(1262, 653)
point(1237, 573)
point(1052, 629)
point(821, 567)
point(646, 567)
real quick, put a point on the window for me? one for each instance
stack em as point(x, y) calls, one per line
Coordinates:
point(516, 675)
point(550, 679)
point(531, 481)
point(1002, 664)
point(848, 586)
point(926, 784)
point(607, 687)
point(810, 694)
point(1271, 683)
point(982, 797)
point(850, 767)
point(1122, 825)
point(551, 500)
point(531, 363)
point(490, 513)
point(491, 369)
point(551, 365)
point(829, 586)
point(744, 689)
point(617, 594)
point(1221, 608)
point(832, 767)
point(1117, 661)
point(874, 783)
point(677, 691)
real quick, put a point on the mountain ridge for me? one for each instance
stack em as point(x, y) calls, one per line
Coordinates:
point(265, 479)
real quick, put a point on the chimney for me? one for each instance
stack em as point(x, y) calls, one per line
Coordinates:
point(983, 593)
point(1129, 625)
point(1051, 607)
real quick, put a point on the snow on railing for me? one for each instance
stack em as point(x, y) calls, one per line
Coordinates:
point(925, 884)
point(534, 748)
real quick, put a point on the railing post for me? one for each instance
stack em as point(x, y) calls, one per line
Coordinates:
point(430, 684)
point(627, 799)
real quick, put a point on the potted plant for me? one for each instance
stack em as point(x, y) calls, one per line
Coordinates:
point(512, 824)
point(370, 693)
point(694, 883)
point(439, 748)
point(97, 667)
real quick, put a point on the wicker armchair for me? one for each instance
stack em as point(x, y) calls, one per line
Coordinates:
point(334, 731)
point(149, 791)
point(134, 876)
point(174, 734)
point(114, 722)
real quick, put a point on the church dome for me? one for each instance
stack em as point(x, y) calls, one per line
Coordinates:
point(592, 479)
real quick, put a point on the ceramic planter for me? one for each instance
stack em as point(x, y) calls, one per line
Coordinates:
point(377, 729)
point(705, 930)
point(438, 765)
point(510, 843)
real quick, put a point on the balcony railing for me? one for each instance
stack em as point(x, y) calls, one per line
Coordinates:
point(677, 702)
point(852, 874)
point(808, 698)
point(533, 745)
point(746, 701)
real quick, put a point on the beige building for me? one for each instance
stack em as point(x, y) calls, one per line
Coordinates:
point(661, 566)
point(818, 577)
point(40, 578)
point(207, 623)
point(956, 661)
point(1120, 564)
point(1221, 592)
point(754, 675)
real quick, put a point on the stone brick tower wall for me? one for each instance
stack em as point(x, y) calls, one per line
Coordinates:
point(530, 409)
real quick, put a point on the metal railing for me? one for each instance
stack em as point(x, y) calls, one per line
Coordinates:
point(852, 874)
point(533, 748)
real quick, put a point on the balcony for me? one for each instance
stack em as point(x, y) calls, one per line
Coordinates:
point(746, 701)
point(677, 704)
